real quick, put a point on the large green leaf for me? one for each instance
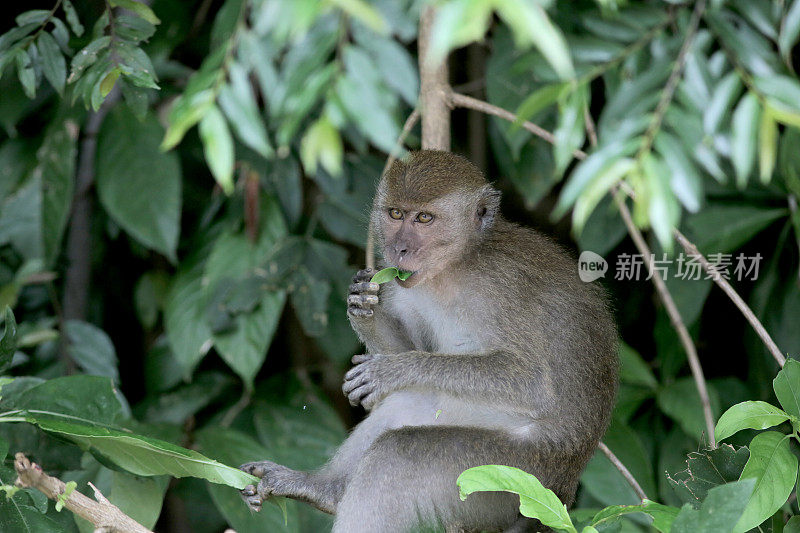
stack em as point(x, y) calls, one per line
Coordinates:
point(787, 387)
point(748, 415)
point(681, 401)
point(89, 399)
point(142, 455)
point(56, 162)
point(663, 515)
point(707, 469)
point(536, 501)
point(744, 136)
point(724, 228)
point(187, 331)
point(719, 512)
point(774, 468)
point(16, 517)
point(91, 348)
point(138, 184)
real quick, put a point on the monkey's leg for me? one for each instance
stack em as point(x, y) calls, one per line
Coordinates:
point(407, 480)
point(316, 488)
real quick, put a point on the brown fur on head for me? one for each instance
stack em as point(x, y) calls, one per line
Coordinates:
point(448, 187)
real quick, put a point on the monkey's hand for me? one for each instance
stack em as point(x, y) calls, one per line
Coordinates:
point(366, 382)
point(276, 480)
point(363, 295)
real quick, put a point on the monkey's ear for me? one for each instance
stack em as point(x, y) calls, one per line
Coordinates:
point(488, 207)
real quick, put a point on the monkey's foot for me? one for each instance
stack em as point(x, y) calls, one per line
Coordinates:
point(276, 480)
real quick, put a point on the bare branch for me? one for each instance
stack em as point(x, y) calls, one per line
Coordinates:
point(723, 284)
point(103, 514)
point(623, 470)
point(674, 315)
point(434, 88)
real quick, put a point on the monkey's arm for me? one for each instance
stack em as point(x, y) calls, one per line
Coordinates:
point(500, 376)
point(378, 330)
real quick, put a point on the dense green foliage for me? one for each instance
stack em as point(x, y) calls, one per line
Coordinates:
point(184, 189)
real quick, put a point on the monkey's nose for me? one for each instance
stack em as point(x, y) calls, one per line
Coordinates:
point(400, 250)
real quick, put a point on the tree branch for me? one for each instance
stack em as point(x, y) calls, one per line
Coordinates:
point(434, 88)
point(623, 470)
point(674, 316)
point(723, 284)
point(102, 513)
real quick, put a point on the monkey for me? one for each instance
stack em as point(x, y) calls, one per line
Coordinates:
point(491, 352)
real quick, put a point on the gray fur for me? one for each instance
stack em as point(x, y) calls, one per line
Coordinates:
point(493, 352)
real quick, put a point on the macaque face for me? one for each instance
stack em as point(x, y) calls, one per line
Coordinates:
point(424, 239)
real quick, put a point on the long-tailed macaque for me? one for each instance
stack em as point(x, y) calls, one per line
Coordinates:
point(491, 352)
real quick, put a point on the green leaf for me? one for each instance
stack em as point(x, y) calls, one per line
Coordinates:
point(239, 104)
point(187, 331)
point(87, 399)
point(774, 468)
point(143, 456)
point(530, 24)
point(8, 342)
point(744, 137)
point(685, 180)
point(91, 348)
point(681, 401)
point(707, 469)
point(725, 93)
point(570, 132)
point(72, 18)
point(787, 387)
point(537, 101)
point(26, 73)
point(54, 67)
point(56, 161)
point(388, 274)
point(365, 13)
point(597, 188)
point(141, 9)
point(793, 525)
point(719, 512)
point(107, 83)
point(767, 146)
point(310, 301)
point(663, 515)
point(87, 56)
point(748, 415)
point(633, 369)
point(536, 501)
point(789, 31)
point(724, 228)
point(322, 143)
point(139, 186)
point(218, 147)
point(22, 518)
point(140, 498)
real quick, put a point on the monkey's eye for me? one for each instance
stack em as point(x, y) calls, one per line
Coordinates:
point(424, 218)
point(396, 214)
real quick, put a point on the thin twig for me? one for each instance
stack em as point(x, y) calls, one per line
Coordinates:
point(723, 284)
point(411, 121)
point(673, 80)
point(623, 470)
point(236, 408)
point(102, 513)
point(674, 316)
point(472, 103)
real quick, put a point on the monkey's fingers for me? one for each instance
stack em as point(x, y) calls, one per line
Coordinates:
point(362, 300)
point(363, 275)
point(364, 287)
point(359, 312)
point(256, 468)
point(362, 358)
point(357, 395)
point(251, 497)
